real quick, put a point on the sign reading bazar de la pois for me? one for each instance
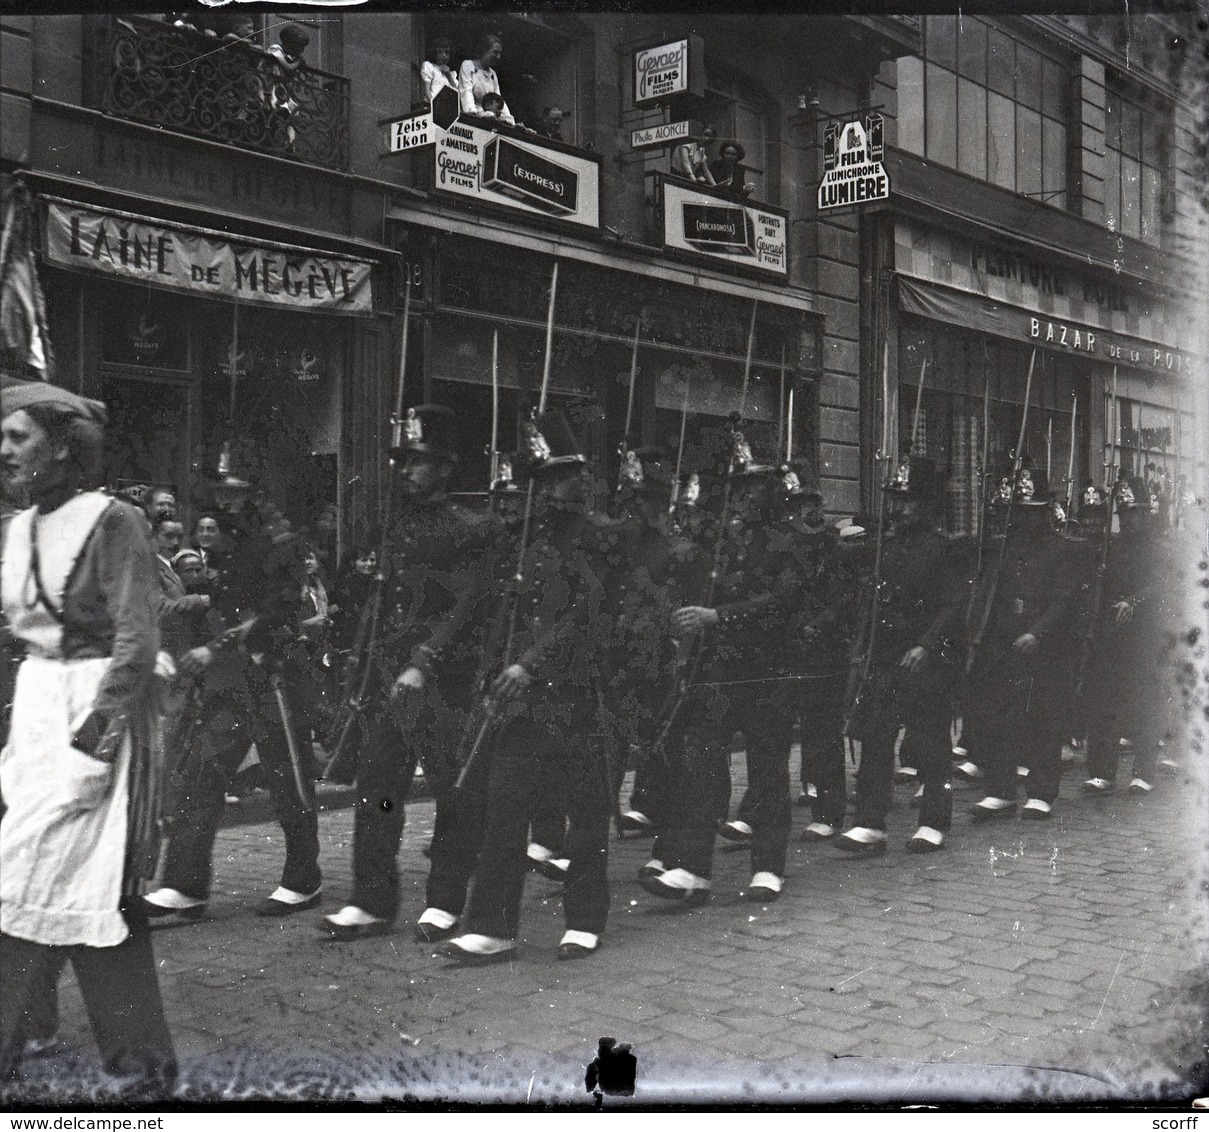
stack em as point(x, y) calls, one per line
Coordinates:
point(200, 262)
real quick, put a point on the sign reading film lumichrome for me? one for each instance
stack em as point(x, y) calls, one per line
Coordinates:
point(499, 169)
point(667, 69)
point(743, 233)
point(852, 163)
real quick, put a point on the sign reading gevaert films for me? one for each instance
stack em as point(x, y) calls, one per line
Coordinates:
point(668, 133)
point(852, 164)
point(199, 262)
point(499, 169)
point(668, 69)
point(747, 234)
point(412, 132)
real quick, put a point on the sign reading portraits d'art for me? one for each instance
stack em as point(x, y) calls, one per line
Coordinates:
point(742, 233)
point(192, 260)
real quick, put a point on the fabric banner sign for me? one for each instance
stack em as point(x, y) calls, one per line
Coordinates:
point(977, 312)
point(199, 262)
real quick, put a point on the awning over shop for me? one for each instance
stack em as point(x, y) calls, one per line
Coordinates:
point(204, 262)
point(954, 307)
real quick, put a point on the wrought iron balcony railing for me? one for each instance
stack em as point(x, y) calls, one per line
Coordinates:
point(227, 90)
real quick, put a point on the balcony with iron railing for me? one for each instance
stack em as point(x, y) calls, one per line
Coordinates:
point(227, 90)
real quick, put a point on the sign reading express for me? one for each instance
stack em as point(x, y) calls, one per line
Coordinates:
point(184, 259)
point(497, 169)
point(747, 234)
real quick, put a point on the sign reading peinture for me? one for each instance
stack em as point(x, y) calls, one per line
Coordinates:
point(747, 234)
point(199, 262)
point(501, 169)
point(852, 163)
point(668, 69)
point(412, 132)
point(665, 134)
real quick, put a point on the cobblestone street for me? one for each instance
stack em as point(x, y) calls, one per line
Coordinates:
point(1027, 960)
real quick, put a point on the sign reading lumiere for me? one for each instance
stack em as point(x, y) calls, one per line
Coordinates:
point(201, 262)
point(741, 232)
point(508, 170)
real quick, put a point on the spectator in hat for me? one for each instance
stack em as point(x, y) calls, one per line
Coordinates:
point(729, 176)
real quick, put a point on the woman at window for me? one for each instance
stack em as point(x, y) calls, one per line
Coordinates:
point(80, 771)
point(729, 175)
point(437, 74)
point(691, 160)
point(477, 77)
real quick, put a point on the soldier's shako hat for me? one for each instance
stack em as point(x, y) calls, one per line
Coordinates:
point(430, 430)
point(648, 469)
point(742, 461)
point(1030, 489)
point(505, 478)
point(549, 444)
point(794, 485)
point(1124, 494)
point(916, 478)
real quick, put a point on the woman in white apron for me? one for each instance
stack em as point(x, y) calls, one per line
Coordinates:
point(79, 771)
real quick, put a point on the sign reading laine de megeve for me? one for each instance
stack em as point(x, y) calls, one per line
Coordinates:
point(201, 262)
point(751, 235)
point(500, 169)
point(671, 68)
point(852, 162)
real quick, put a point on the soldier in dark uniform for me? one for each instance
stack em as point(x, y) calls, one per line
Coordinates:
point(544, 711)
point(1021, 654)
point(740, 685)
point(421, 684)
point(250, 679)
point(1124, 692)
point(912, 666)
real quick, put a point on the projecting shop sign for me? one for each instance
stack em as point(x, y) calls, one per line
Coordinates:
point(852, 163)
point(750, 235)
point(200, 262)
point(412, 132)
point(666, 134)
point(668, 69)
point(495, 168)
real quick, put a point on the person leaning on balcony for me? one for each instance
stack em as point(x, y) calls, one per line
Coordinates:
point(436, 74)
point(729, 175)
point(477, 78)
point(691, 161)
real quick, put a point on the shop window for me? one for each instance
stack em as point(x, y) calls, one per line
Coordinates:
point(1135, 146)
point(742, 112)
point(538, 67)
point(988, 104)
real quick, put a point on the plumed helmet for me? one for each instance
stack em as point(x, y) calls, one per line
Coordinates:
point(430, 430)
point(548, 442)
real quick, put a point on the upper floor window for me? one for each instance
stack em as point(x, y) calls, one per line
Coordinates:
point(987, 104)
point(1134, 156)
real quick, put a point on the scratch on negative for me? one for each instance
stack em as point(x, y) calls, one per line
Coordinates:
point(529, 1094)
point(1109, 991)
point(856, 976)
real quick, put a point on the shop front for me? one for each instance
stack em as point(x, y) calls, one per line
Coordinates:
point(972, 317)
point(210, 348)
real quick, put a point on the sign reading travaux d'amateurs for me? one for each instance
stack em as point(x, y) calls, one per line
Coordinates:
point(852, 163)
point(671, 68)
point(500, 169)
point(201, 262)
point(747, 234)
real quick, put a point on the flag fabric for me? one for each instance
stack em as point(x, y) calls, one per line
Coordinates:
point(24, 338)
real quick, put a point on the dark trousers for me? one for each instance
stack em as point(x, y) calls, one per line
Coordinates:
point(821, 712)
point(763, 712)
point(534, 762)
point(121, 994)
point(231, 723)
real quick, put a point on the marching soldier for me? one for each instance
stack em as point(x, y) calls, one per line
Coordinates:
point(1020, 656)
point(435, 554)
point(911, 667)
point(741, 685)
point(540, 704)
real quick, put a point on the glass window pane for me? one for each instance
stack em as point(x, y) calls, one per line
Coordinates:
point(1112, 122)
point(1054, 87)
point(1153, 127)
point(1053, 139)
point(941, 44)
point(972, 49)
point(1131, 130)
point(1028, 152)
point(1112, 189)
point(1001, 62)
point(911, 104)
point(1028, 76)
point(1001, 141)
point(971, 128)
point(1131, 197)
point(941, 115)
point(1152, 191)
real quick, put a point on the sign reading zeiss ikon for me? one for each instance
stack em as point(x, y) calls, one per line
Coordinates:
point(749, 235)
point(499, 169)
point(852, 163)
